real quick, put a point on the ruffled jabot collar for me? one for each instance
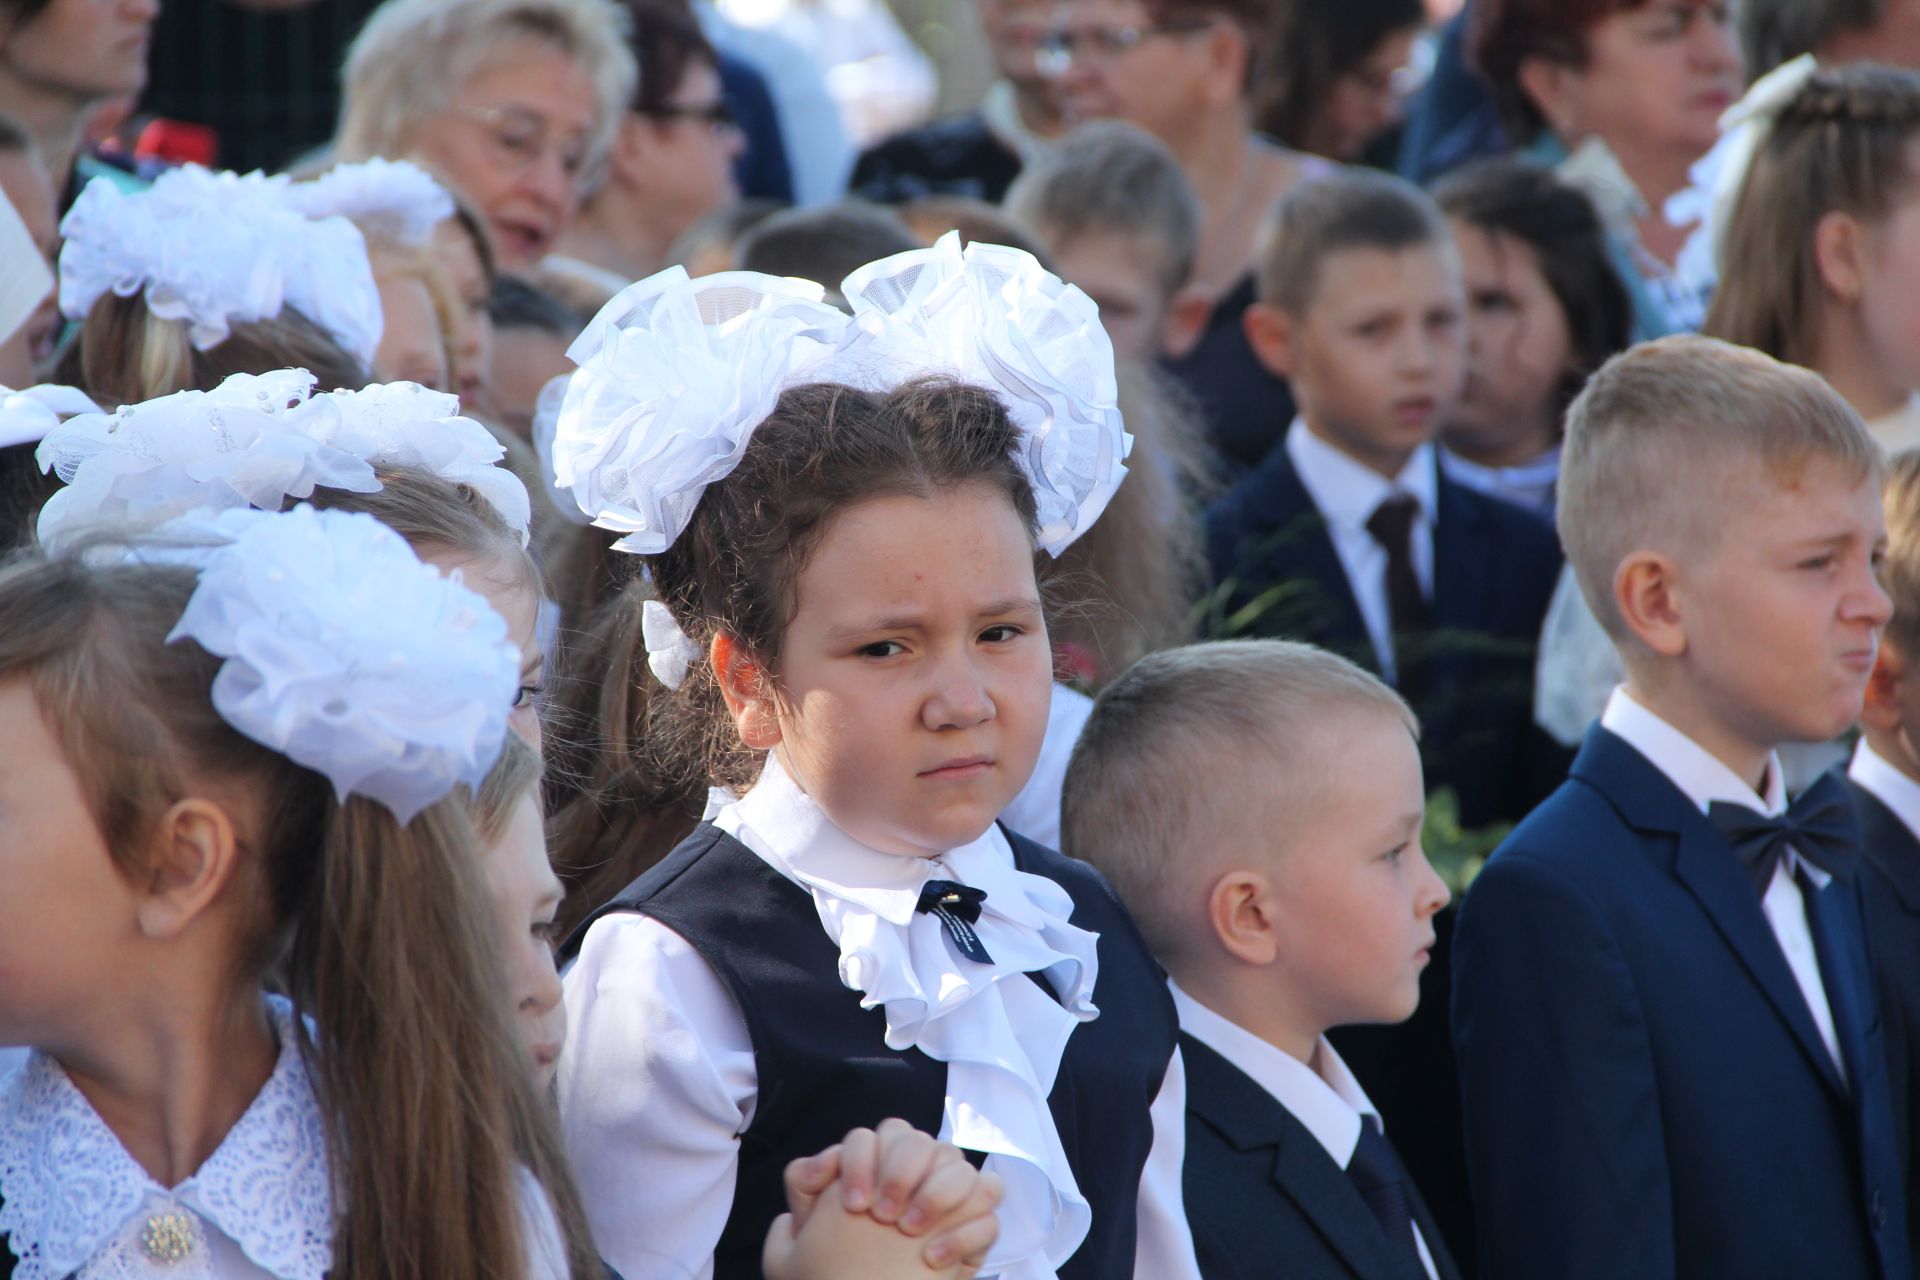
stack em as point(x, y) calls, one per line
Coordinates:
point(1002, 1040)
point(74, 1203)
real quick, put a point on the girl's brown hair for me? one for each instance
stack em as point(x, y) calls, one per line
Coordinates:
point(630, 759)
point(438, 515)
point(126, 354)
point(1841, 145)
point(381, 933)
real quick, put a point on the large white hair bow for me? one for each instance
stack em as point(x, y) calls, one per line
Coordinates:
point(395, 198)
point(27, 416)
point(347, 654)
point(215, 249)
point(1718, 177)
point(259, 440)
point(676, 374)
point(229, 447)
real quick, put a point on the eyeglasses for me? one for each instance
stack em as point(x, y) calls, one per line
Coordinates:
point(521, 137)
point(1055, 52)
point(717, 114)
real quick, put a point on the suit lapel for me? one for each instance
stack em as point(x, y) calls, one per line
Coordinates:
point(1648, 800)
point(1250, 1117)
point(1299, 556)
point(1888, 845)
point(1462, 586)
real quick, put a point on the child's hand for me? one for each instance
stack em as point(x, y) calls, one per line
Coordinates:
point(902, 1178)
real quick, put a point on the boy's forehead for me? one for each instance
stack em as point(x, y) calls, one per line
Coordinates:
point(1355, 277)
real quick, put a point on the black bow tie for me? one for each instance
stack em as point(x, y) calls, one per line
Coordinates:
point(1820, 826)
point(957, 906)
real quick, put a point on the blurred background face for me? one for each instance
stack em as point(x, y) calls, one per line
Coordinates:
point(688, 145)
point(1111, 60)
point(1013, 29)
point(88, 49)
point(1367, 100)
point(515, 140)
point(1518, 349)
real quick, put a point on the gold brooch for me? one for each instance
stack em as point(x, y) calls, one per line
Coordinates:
point(168, 1237)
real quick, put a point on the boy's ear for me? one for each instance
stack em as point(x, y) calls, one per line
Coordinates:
point(1881, 710)
point(1270, 332)
point(748, 690)
point(1645, 591)
point(1187, 317)
point(1839, 255)
point(1237, 910)
point(196, 853)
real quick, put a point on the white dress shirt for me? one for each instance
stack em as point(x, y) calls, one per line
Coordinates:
point(1324, 1097)
point(1704, 779)
point(1347, 492)
point(1884, 782)
point(658, 1079)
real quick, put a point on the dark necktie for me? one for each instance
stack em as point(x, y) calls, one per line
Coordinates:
point(1391, 525)
point(1820, 825)
point(1382, 1182)
point(957, 906)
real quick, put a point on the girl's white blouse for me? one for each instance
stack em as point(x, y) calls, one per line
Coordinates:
point(260, 1207)
point(658, 1081)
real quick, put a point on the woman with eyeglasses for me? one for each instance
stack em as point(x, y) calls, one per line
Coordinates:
point(515, 102)
point(672, 160)
point(59, 60)
point(1338, 73)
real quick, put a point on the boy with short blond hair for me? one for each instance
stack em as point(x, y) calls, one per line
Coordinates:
point(1120, 220)
point(1669, 1051)
point(1302, 903)
point(1884, 779)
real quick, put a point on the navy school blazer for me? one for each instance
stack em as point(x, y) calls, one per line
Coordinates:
point(1890, 884)
point(1646, 1095)
point(1264, 1198)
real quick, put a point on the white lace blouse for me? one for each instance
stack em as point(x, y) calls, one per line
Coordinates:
point(73, 1203)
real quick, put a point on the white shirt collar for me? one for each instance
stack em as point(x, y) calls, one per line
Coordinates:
point(1699, 774)
point(1000, 1035)
point(1887, 784)
point(76, 1203)
point(1347, 491)
point(1324, 1097)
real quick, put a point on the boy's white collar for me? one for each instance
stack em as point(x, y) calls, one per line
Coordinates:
point(1700, 775)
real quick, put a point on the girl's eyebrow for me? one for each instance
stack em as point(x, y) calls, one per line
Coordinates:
point(1012, 606)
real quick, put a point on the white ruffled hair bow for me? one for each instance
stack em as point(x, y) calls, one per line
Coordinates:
point(215, 249)
point(396, 198)
point(346, 653)
point(1718, 177)
point(675, 374)
point(26, 416)
point(257, 441)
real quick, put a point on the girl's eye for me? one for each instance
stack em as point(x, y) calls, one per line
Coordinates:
point(1001, 634)
point(528, 692)
point(1818, 562)
point(880, 649)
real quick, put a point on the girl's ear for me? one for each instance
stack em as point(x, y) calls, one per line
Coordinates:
point(1839, 254)
point(748, 688)
point(196, 855)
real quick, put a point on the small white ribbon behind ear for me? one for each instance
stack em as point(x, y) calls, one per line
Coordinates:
point(671, 652)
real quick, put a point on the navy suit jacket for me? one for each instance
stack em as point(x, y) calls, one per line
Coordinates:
point(1890, 883)
point(1264, 1198)
point(1494, 570)
point(1646, 1095)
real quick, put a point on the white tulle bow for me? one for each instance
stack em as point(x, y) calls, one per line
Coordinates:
point(26, 416)
point(258, 441)
point(671, 652)
point(347, 654)
point(676, 374)
point(395, 198)
point(215, 249)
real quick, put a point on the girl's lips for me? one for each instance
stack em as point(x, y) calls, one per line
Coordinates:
point(959, 770)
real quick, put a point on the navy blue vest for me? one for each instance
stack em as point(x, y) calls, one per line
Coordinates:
point(824, 1066)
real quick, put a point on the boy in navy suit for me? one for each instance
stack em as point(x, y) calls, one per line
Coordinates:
point(1348, 535)
point(1884, 778)
point(1670, 1052)
point(1258, 805)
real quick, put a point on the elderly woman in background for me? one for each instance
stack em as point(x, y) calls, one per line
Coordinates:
point(1622, 96)
point(515, 102)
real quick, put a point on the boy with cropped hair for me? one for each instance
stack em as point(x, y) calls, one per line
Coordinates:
point(1304, 905)
point(1120, 220)
point(1669, 1051)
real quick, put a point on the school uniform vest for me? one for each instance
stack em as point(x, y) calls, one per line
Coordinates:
point(824, 1066)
